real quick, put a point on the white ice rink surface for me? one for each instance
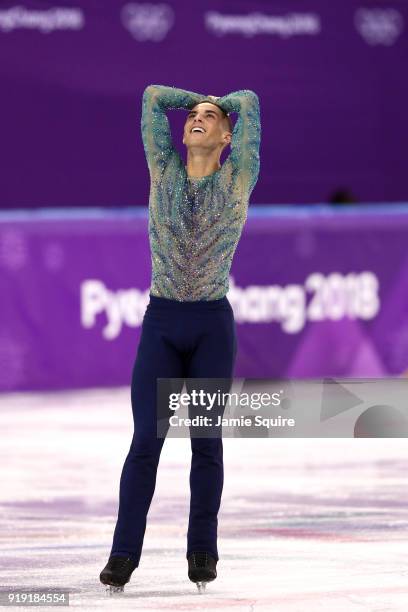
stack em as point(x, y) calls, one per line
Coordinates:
point(304, 525)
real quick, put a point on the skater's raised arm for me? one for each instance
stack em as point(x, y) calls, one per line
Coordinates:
point(246, 135)
point(156, 134)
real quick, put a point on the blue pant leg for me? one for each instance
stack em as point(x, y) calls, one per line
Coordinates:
point(156, 358)
point(213, 357)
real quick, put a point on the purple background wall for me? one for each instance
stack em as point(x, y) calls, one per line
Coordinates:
point(315, 292)
point(331, 78)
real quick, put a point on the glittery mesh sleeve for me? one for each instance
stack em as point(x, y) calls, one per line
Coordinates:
point(156, 134)
point(246, 135)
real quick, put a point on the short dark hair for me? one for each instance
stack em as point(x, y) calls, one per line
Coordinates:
point(229, 121)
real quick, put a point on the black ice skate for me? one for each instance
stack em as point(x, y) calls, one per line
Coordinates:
point(117, 573)
point(201, 569)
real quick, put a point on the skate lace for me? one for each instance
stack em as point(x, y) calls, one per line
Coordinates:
point(120, 563)
point(200, 559)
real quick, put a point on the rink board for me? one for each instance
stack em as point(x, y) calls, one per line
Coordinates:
point(316, 291)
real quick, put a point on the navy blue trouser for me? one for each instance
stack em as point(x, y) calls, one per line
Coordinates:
point(178, 340)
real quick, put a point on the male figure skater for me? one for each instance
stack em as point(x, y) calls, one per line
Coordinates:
point(196, 215)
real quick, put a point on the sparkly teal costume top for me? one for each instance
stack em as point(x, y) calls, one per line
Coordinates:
point(195, 223)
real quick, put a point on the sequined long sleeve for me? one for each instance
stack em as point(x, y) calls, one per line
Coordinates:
point(195, 223)
point(156, 134)
point(246, 135)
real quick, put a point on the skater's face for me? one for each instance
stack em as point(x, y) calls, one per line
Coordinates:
point(215, 128)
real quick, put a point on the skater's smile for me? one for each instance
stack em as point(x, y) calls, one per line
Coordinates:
point(206, 122)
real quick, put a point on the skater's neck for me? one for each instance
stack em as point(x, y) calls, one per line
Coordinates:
point(200, 165)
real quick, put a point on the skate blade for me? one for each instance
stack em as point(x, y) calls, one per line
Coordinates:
point(201, 586)
point(114, 590)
